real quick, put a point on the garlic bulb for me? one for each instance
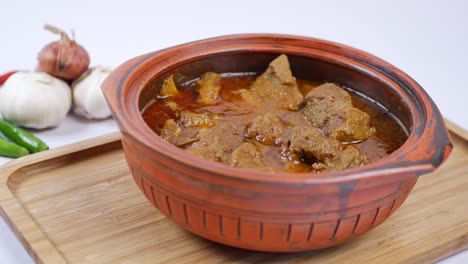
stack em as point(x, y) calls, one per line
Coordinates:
point(35, 100)
point(88, 98)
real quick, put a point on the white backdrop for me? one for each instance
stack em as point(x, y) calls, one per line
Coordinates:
point(426, 39)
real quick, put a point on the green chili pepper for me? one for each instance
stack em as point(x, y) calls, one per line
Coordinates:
point(10, 149)
point(3, 136)
point(22, 137)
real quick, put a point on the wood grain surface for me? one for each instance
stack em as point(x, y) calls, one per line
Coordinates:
point(79, 204)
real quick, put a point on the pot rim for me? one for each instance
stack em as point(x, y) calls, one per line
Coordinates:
point(426, 148)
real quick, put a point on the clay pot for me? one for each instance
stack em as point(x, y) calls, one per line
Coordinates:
point(282, 212)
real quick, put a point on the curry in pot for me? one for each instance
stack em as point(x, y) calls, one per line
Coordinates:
point(273, 122)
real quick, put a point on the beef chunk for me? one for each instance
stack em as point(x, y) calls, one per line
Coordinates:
point(170, 131)
point(236, 108)
point(322, 102)
point(329, 108)
point(174, 134)
point(311, 143)
point(188, 136)
point(210, 84)
point(247, 155)
point(275, 86)
point(351, 124)
point(217, 143)
point(331, 92)
point(350, 157)
point(189, 119)
point(322, 152)
point(267, 129)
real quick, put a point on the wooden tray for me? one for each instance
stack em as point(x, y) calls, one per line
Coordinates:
point(79, 204)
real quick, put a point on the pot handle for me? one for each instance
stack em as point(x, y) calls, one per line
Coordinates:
point(433, 147)
point(115, 85)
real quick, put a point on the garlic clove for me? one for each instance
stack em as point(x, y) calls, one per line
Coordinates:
point(42, 78)
point(35, 100)
point(88, 98)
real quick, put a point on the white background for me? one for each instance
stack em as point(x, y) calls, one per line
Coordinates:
point(426, 39)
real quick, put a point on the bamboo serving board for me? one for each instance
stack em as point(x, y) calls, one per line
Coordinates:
point(79, 204)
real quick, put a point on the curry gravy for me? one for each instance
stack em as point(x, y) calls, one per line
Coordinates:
point(389, 135)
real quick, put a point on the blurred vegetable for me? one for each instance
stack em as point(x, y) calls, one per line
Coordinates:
point(11, 150)
point(88, 98)
point(22, 137)
point(35, 100)
point(64, 59)
point(5, 77)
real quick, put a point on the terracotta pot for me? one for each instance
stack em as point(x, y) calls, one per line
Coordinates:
point(282, 212)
